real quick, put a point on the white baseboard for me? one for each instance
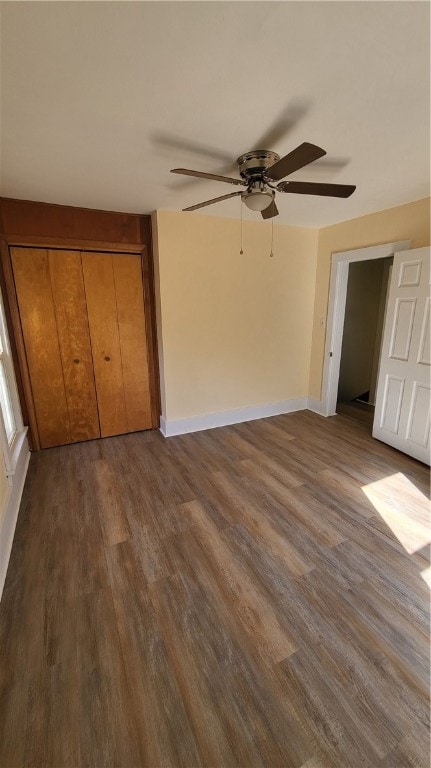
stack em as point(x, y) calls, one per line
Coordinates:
point(162, 426)
point(317, 406)
point(235, 416)
point(10, 515)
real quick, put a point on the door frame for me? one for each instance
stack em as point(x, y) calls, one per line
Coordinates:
point(337, 310)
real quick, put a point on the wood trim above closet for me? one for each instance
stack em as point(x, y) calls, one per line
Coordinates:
point(66, 243)
point(45, 220)
point(43, 225)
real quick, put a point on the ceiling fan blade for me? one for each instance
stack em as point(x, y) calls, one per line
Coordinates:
point(316, 188)
point(270, 212)
point(283, 124)
point(212, 176)
point(303, 155)
point(171, 141)
point(210, 202)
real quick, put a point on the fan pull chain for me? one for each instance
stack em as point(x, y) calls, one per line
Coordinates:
point(241, 251)
point(272, 237)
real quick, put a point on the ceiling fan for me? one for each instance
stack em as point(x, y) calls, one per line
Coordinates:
point(260, 168)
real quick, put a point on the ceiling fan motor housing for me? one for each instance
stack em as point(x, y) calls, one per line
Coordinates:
point(254, 164)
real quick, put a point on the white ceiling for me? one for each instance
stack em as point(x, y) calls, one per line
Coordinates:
point(100, 100)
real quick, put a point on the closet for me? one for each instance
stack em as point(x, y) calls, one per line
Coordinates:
point(83, 321)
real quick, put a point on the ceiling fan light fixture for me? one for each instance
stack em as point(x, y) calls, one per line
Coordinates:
point(257, 199)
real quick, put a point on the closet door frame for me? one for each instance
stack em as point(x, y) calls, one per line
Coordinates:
point(14, 321)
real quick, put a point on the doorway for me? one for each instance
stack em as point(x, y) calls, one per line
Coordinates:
point(336, 314)
point(366, 297)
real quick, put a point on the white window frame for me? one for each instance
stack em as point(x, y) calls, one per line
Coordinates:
point(11, 447)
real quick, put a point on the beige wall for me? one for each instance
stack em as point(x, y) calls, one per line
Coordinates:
point(405, 222)
point(234, 331)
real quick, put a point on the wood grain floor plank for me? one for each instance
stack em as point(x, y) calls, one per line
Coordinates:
point(286, 458)
point(380, 733)
point(113, 516)
point(247, 450)
point(247, 597)
point(229, 698)
point(201, 687)
point(256, 615)
point(52, 731)
point(165, 734)
point(108, 729)
point(259, 525)
point(370, 633)
point(332, 728)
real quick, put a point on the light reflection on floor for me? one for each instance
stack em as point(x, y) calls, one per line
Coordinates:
point(404, 509)
point(426, 575)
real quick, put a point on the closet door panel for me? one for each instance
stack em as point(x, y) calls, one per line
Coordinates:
point(102, 317)
point(74, 340)
point(133, 341)
point(36, 306)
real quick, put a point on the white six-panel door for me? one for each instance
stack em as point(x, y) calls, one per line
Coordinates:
point(402, 413)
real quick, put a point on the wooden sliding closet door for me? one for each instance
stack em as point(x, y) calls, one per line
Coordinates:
point(74, 339)
point(115, 305)
point(52, 307)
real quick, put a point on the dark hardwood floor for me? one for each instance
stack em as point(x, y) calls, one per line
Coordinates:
point(357, 410)
point(248, 596)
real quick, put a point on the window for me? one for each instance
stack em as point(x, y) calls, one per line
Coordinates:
point(5, 399)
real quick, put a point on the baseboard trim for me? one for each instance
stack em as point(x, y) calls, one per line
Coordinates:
point(317, 406)
point(235, 416)
point(10, 516)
